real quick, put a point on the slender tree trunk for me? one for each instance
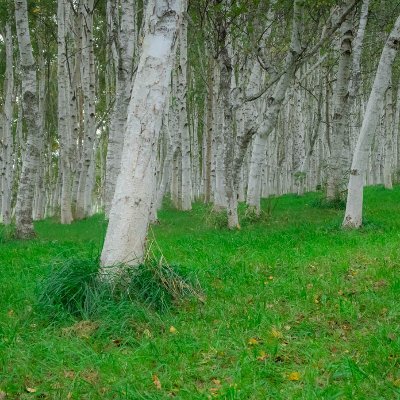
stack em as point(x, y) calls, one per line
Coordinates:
point(7, 148)
point(182, 90)
point(125, 50)
point(388, 143)
point(353, 215)
point(130, 211)
point(24, 207)
point(64, 121)
point(340, 146)
point(84, 195)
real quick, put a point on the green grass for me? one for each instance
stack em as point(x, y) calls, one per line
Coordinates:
point(318, 301)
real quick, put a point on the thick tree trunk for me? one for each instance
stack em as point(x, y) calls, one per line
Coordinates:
point(353, 215)
point(24, 207)
point(130, 211)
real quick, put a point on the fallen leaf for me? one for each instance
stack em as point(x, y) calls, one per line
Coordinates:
point(31, 390)
point(173, 330)
point(294, 376)
point(156, 382)
point(253, 341)
point(10, 313)
point(396, 383)
point(263, 356)
point(2, 395)
point(276, 334)
point(216, 381)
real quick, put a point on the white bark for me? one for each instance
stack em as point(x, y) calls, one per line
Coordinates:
point(7, 139)
point(182, 89)
point(124, 54)
point(84, 195)
point(129, 215)
point(388, 135)
point(64, 121)
point(338, 162)
point(39, 197)
point(353, 215)
point(24, 207)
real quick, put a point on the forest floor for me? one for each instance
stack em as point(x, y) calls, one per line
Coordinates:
point(296, 308)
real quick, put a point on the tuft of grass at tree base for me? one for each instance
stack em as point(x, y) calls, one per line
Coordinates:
point(296, 308)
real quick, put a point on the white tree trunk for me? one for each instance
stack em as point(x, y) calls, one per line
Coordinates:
point(338, 162)
point(182, 89)
point(388, 135)
point(129, 215)
point(125, 49)
point(64, 120)
point(353, 215)
point(39, 197)
point(84, 195)
point(7, 139)
point(24, 207)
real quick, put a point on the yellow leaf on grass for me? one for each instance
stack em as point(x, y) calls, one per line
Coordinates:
point(276, 334)
point(253, 341)
point(263, 355)
point(156, 382)
point(216, 382)
point(294, 376)
point(31, 390)
point(397, 383)
point(173, 330)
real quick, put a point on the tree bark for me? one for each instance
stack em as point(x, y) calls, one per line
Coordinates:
point(7, 139)
point(130, 211)
point(353, 215)
point(124, 54)
point(340, 145)
point(24, 206)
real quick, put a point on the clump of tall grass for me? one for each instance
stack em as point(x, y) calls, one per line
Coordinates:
point(76, 287)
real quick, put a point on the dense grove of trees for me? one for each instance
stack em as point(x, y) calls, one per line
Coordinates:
point(111, 105)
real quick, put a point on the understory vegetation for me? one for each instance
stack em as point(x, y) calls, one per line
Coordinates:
point(291, 306)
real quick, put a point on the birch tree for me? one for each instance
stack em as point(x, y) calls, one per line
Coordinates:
point(25, 196)
point(7, 138)
point(124, 44)
point(354, 205)
point(340, 145)
point(130, 211)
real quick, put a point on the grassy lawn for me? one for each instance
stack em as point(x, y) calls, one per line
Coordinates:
point(296, 308)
